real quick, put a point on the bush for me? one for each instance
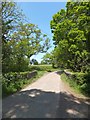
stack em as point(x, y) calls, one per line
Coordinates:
point(83, 81)
point(14, 81)
point(7, 88)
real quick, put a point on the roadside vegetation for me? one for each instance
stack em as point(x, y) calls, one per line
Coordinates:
point(79, 82)
point(71, 36)
point(15, 81)
point(44, 67)
point(21, 40)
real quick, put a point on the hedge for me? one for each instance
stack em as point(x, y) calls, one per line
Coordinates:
point(82, 80)
point(14, 81)
point(47, 68)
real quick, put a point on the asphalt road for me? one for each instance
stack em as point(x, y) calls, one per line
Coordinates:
point(48, 97)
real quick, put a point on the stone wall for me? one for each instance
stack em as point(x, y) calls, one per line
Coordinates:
point(31, 74)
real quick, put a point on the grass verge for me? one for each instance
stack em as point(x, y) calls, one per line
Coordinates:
point(78, 83)
point(70, 82)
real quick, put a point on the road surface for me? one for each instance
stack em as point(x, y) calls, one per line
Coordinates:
point(48, 97)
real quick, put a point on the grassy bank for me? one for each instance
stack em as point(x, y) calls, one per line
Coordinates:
point(80, 82)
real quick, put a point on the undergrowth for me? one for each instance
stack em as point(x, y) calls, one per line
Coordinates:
point(79, 81)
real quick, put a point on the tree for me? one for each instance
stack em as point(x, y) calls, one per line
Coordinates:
point(20, 40)
point(47, 59)
point(71, 29)
point(27, 41)
point(30, 40)
point(34, 62)
point(11, 16)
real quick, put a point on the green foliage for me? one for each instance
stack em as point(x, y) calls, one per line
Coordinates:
point(14, 81)
point(71, 34)
point(47, 68)
point(13, 76)
point(34, 62)
point(47, 58)
point(79, 81)
point(29, 40)
point(20, 40)
point(11, 16)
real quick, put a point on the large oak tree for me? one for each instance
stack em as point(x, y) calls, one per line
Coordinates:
point(20, 39)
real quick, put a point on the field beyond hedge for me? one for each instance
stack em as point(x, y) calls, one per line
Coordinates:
point(47, 68)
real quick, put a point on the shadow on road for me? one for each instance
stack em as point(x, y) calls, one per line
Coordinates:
point(36, 103)
point(72, 107)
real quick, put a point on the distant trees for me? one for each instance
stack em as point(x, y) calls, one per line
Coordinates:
point(71, 35)
point(20, 40)
point(47, 59)
point(34, 62)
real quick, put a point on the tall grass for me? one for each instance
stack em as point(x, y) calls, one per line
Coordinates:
point(79, 81)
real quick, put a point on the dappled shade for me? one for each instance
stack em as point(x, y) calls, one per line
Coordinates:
point(36, 103)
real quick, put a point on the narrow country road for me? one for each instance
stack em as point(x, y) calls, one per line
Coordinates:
point(48, 97)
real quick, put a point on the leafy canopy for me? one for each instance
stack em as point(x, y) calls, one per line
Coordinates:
point(71, 36)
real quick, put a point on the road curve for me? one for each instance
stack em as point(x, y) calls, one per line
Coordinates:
point(48, 97)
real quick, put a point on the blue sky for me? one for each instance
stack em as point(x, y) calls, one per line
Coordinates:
point(40, 13)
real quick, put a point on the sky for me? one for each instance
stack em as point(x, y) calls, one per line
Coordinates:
point(40, 13)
